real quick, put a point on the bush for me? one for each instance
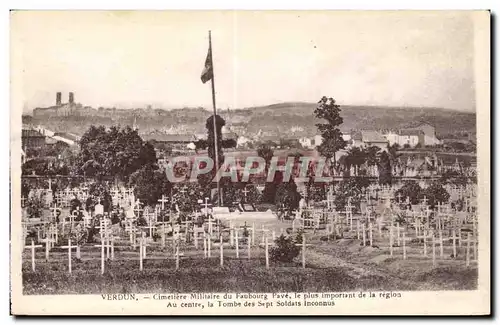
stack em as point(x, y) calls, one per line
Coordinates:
point(149, 184)
point(100, 191)
point(385, 169)
point(316, 192)
point(269, 193)
point(435, 194)
point(186, 196)
point(409, 190)
point(35, 207)
point(284, 249)
point(454, 177)
point(352, 188)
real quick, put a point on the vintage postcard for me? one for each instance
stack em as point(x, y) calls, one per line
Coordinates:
point(250, 162)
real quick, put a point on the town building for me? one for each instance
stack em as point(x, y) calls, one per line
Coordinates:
point(347, 136)
point(411, 138)
point(405, 138)
point(242, 142)
point(365, 139)
point(64, 109)
point(305, 142)
point(429, 133)
point(423, 134)
point(175, 141)
point(32, 139)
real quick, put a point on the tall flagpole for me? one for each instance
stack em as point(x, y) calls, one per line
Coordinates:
point(215, 114)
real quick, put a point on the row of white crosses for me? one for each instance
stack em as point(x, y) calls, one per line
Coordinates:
point(423, 231)
point(207, 247)
point(122, 196)
point(330, 199)
point(234, 241)
point(308, 218)
point(64, 197)
point(107, 242)
point(50, 241)
point(107, 246)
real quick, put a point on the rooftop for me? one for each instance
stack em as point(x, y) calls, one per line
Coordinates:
point(66, 135)
point(369, 136)
point(28, 133)
point(411, 132)
point(179, 138)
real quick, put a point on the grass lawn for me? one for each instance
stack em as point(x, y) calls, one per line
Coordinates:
point(237, 275)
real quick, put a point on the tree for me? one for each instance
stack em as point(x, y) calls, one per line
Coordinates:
point(287, 196)
point(45, 166)
point(150, 184)
point(384, 169)
point(99, 192)
point(372, 155)
point(269, 193)
point(219, 123)
point(114, 152)
point(349, 188)
point(210, 143)
point(201, 144)
point(187, 195)
point(454, 177)
point(332, 137)
point(265, 152)
point(229, 143)
point(354, 157)
point(393, 153)
point(316, 192)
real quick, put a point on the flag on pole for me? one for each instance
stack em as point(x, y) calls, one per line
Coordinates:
point(208, 71)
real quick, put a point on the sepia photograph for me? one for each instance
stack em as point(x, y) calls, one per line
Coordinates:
point(250, 162)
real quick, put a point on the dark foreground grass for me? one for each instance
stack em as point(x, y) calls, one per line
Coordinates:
point(206, 275)
point(235, 276)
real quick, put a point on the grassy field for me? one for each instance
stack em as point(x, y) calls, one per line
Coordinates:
point(323, 273)
point(334, 265)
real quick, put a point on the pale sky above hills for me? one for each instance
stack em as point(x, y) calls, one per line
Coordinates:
point(132, 59)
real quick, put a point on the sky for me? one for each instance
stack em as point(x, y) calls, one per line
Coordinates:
point(134, 59)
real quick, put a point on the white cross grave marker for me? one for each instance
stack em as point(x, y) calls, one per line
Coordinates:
point(69, 247)
point(33, 247)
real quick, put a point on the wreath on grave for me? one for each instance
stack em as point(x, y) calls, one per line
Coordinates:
point(79, 235)
point(141, 222)
point(285, 249)
point(93, 228)
point(400, 218)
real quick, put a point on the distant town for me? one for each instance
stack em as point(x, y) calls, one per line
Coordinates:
point(52, 129)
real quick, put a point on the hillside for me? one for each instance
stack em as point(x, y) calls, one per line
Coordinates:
point(282, 119)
